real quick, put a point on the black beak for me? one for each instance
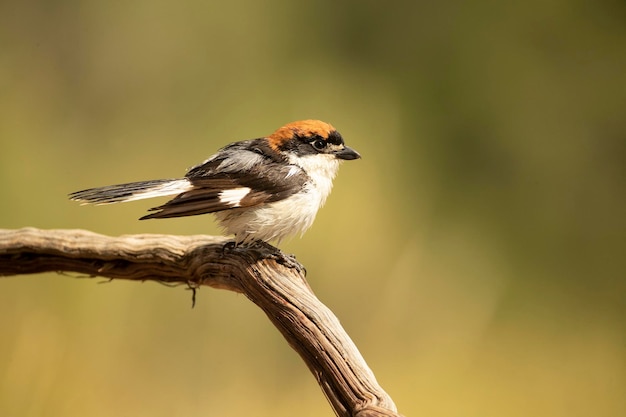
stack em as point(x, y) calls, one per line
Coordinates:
point(347, 154)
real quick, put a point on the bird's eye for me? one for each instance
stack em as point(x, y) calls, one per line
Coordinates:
point(319, 144)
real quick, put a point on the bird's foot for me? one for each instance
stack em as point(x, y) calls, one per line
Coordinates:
point(229, 247)
point(287, 260)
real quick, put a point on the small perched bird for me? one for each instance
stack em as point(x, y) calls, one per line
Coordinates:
point(260, 190)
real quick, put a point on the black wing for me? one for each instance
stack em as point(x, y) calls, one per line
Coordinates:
point(220, 182)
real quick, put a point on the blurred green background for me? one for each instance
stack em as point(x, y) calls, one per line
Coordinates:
point(476, 254)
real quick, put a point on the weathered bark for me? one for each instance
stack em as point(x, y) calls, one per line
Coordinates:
point(258, 272)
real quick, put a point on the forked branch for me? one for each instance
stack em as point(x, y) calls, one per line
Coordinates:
point(282, 292)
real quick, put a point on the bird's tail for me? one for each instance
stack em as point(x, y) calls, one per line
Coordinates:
point(131, 191)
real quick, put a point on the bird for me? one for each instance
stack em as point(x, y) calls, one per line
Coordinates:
point(259, 190)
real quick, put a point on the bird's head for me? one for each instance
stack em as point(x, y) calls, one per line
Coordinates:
point(309, 138)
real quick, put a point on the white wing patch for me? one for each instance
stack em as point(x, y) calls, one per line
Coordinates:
point(233, 197)
point(293, 170)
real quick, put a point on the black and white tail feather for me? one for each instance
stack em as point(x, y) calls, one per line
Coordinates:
point(260, 189)
point(131, 191)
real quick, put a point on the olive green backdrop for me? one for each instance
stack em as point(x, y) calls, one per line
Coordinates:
point(476, 254)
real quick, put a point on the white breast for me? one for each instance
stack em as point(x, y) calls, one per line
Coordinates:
point(293, 215)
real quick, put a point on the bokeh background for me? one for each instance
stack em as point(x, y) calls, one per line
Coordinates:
point(476, 254)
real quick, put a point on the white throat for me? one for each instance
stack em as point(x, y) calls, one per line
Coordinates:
point(321, 169)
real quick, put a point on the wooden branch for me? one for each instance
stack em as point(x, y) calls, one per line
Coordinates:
point(281, 291)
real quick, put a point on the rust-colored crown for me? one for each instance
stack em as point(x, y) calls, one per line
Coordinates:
point(300, 128)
